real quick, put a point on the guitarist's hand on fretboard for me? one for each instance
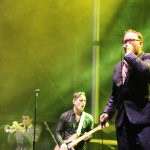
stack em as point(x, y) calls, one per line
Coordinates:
point(86, 137)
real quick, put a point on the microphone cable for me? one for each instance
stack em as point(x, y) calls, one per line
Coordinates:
point(102, 139)
point(121, 65)
point(122, 83)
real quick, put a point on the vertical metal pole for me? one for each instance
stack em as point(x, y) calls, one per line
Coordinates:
point(36, 97)
point(96, 51)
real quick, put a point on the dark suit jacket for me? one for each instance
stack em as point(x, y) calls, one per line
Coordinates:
point(132, 97)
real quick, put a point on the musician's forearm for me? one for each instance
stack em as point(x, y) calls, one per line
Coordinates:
point(59, 139)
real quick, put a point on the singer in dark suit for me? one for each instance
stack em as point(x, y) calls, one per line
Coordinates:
point(130, 96)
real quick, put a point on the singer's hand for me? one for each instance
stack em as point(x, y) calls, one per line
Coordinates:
point(128, 48)
point(103, 119)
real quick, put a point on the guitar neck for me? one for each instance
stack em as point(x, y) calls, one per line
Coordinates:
point(75, 142)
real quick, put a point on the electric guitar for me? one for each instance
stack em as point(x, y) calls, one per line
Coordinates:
point(73, 140)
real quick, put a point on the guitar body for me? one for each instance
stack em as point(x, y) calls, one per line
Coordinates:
point(69, 140)
point(57, 148)
point(73, 140)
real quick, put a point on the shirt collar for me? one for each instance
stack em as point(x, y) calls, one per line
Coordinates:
point(30, 126)
point(141, 53)
point(73, 113)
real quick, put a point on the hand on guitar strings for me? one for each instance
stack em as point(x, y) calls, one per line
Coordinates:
point(63, 147)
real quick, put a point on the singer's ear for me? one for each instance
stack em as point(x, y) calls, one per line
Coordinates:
point(141, 44)
point(73, 101)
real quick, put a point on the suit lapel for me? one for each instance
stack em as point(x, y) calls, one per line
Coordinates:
point(118, 75)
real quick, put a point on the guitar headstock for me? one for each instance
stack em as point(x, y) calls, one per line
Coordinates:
point(104, 126)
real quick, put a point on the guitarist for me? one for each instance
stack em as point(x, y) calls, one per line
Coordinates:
point(73, 124)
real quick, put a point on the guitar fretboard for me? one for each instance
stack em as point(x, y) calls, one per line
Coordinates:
point(75, 142)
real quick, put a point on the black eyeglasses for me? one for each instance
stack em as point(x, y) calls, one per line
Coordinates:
point(130, 41)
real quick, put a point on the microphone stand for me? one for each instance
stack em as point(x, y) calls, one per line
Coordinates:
point(36, 97)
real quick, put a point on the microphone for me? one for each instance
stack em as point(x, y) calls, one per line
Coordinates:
point(125, 46)
point(37, 90)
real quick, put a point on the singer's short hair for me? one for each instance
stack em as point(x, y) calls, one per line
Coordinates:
point(78, 94)
point(140, 37)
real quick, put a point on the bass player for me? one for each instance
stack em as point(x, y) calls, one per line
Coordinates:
point(73, 124)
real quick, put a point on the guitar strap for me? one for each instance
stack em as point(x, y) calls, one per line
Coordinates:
point(80, 124)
